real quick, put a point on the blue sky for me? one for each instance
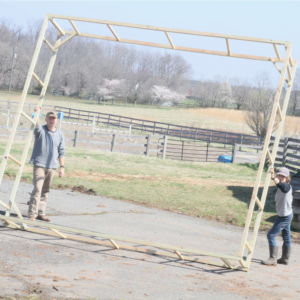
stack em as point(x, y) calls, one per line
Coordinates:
point(266, 19)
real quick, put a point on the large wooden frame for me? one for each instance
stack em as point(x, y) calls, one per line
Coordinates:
point(287, 73)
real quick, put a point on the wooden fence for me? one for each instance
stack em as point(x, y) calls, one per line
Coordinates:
point(183, 132)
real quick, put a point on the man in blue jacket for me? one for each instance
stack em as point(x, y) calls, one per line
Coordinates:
point(49, 148)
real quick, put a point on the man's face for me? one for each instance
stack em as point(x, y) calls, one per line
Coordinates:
point(51, 121)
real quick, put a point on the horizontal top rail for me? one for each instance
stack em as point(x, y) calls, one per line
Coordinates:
point(165, 29)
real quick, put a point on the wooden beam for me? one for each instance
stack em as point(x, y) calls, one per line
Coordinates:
point(75, 27)
point(61, 31)
point(279, 112)
point(156, 28)
point(275, 147)
point(49, 45)
point(89, 240)
point(114, 244)
point(123, 239)
point(65, 40)
point(227, 263)
point(170, 40)
point(277, 52)
point(243, 263)
point(58, 233)
point(114, 33)
point(277, 67)
point(14, 224)
point(291, 61)
point(28, 118)
point(228, 47)
point(179, 254)
point(289, 72)
point(259, 203)
point(4, 204)
point(249, 247)
point(270, 159)
point(14, 159)
point(265, 153)
point(180, 48)
point(38, 79)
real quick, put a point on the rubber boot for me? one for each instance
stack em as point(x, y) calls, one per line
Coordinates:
point(286, 253)
point(272, 261)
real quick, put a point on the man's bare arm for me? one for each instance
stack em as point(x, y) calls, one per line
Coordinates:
point(61, 163)
point(38, 119)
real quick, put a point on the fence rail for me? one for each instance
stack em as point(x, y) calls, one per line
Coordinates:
point(183, 132)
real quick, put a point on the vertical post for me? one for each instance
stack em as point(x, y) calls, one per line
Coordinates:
point(196, 134)
point(12, 66)
point(225, 139)
point(207, 151)
point(113, 141)
point(7, 119)
point(148, 145)
point(263, 157)
point(182, 149)
point(75, 138)
point(154, 127)
point(234, 153)
point(241, 141)
point(69, 113)
point(94, 123)
point(165, 146)
point(284, 152)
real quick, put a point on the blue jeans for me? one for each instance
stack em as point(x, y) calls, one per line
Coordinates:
point(281, 224)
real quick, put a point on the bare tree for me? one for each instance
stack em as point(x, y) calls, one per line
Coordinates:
point(240, 92)
point(295, 95)
point(260, 104)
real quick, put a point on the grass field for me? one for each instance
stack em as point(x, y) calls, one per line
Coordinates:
point(209, 118)
point(213, 191)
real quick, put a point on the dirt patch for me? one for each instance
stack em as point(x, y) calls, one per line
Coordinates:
point(83, 190)
point(95, 176)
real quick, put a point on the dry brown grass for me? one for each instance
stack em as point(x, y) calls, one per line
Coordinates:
point(209, 118)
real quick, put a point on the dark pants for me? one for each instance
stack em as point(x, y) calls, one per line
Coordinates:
point(281, 224)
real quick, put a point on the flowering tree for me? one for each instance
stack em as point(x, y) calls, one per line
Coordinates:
point(111, 89)
point(160, 94)
point(66, 91)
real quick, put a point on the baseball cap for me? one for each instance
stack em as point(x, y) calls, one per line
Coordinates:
point(283, 171)
point(51, 114)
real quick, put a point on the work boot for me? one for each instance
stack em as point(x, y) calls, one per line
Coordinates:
point(286, 253)
point(272, 261)
point(43, 218)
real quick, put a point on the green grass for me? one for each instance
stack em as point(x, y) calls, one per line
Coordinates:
point(212, 191)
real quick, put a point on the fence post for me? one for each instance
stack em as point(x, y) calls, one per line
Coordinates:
point(76, 138)
point(165, 146)
point(182, 149)
point(94, 122)
point(285, 145)
point(113, 142)
point(7, 119)
point(241, 138)
point(234, 153)
point(207, 151)
point(225, 139)
point(148, 145)
point(69, 113)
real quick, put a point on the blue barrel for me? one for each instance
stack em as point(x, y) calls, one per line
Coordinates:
point(60, 115)
point(225, 159)
point(32, 116)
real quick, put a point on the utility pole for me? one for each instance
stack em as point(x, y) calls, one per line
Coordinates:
point(12, 65)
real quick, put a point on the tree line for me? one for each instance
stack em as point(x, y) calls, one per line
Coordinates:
point(110, 70)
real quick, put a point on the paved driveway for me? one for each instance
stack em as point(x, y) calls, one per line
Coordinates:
point(54, 268)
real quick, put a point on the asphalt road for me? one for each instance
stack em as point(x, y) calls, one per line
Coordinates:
point(53, 268)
